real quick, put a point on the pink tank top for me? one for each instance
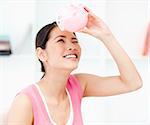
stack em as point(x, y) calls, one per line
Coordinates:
point(41, 116)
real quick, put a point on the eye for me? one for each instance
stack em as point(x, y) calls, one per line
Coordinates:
point(75, 41)
point(61, 40)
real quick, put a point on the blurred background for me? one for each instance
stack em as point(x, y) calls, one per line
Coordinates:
point(129, 20)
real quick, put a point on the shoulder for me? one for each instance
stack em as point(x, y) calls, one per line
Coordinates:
point(22, 100)
point(21, 110)
point(85, 78)
point(81, 77)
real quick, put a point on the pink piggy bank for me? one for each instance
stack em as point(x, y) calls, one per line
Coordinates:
point(72, 18)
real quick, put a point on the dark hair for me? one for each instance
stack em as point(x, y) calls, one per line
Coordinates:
point(42, 38)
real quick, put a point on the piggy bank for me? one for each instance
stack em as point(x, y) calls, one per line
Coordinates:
point(72, 18)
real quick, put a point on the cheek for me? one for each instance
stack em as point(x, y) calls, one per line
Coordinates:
point(55, 52)
point(79, 49)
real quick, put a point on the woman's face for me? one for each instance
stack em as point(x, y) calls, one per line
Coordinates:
point(62, 50)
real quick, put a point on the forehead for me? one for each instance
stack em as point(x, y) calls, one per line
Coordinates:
point(57, 32)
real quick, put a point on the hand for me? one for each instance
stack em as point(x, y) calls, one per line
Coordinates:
point(95, 26)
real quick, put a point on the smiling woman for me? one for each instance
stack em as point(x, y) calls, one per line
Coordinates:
point(64, 44)
point(56, 98)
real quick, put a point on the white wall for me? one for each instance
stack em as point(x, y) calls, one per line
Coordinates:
point(128, 20)
point(16, 19)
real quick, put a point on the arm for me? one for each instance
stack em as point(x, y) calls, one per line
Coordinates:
point(20, 112)
point(128, 80)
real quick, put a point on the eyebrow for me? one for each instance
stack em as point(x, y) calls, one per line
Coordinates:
point(73, 38)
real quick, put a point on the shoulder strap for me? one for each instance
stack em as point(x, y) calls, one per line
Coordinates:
point(40, 116)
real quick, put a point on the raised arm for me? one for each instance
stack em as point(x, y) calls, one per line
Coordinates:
point(128, 80)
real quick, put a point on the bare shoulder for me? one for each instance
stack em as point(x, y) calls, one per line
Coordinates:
point(20, 111)
point(82, 78)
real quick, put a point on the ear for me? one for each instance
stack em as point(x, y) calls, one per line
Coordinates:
point(41, 54)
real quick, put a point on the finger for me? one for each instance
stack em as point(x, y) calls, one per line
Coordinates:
point(84, 30)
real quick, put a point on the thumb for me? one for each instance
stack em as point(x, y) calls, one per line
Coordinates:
point(84, 30)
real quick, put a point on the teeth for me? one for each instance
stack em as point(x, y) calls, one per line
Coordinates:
point(71, 56)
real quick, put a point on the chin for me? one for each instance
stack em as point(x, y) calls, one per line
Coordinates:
point(71, 67)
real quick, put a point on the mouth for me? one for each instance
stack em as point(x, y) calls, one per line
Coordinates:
point(68, 56)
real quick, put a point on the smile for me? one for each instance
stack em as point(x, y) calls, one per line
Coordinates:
point(71, 56)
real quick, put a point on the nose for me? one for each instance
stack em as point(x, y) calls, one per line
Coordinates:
point(71, 46)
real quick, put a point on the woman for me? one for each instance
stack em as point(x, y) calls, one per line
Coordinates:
point(56, 98)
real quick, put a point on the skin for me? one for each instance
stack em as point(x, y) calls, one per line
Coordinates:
point(92, 85)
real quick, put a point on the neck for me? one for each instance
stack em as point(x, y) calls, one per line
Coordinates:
point(53, 84)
